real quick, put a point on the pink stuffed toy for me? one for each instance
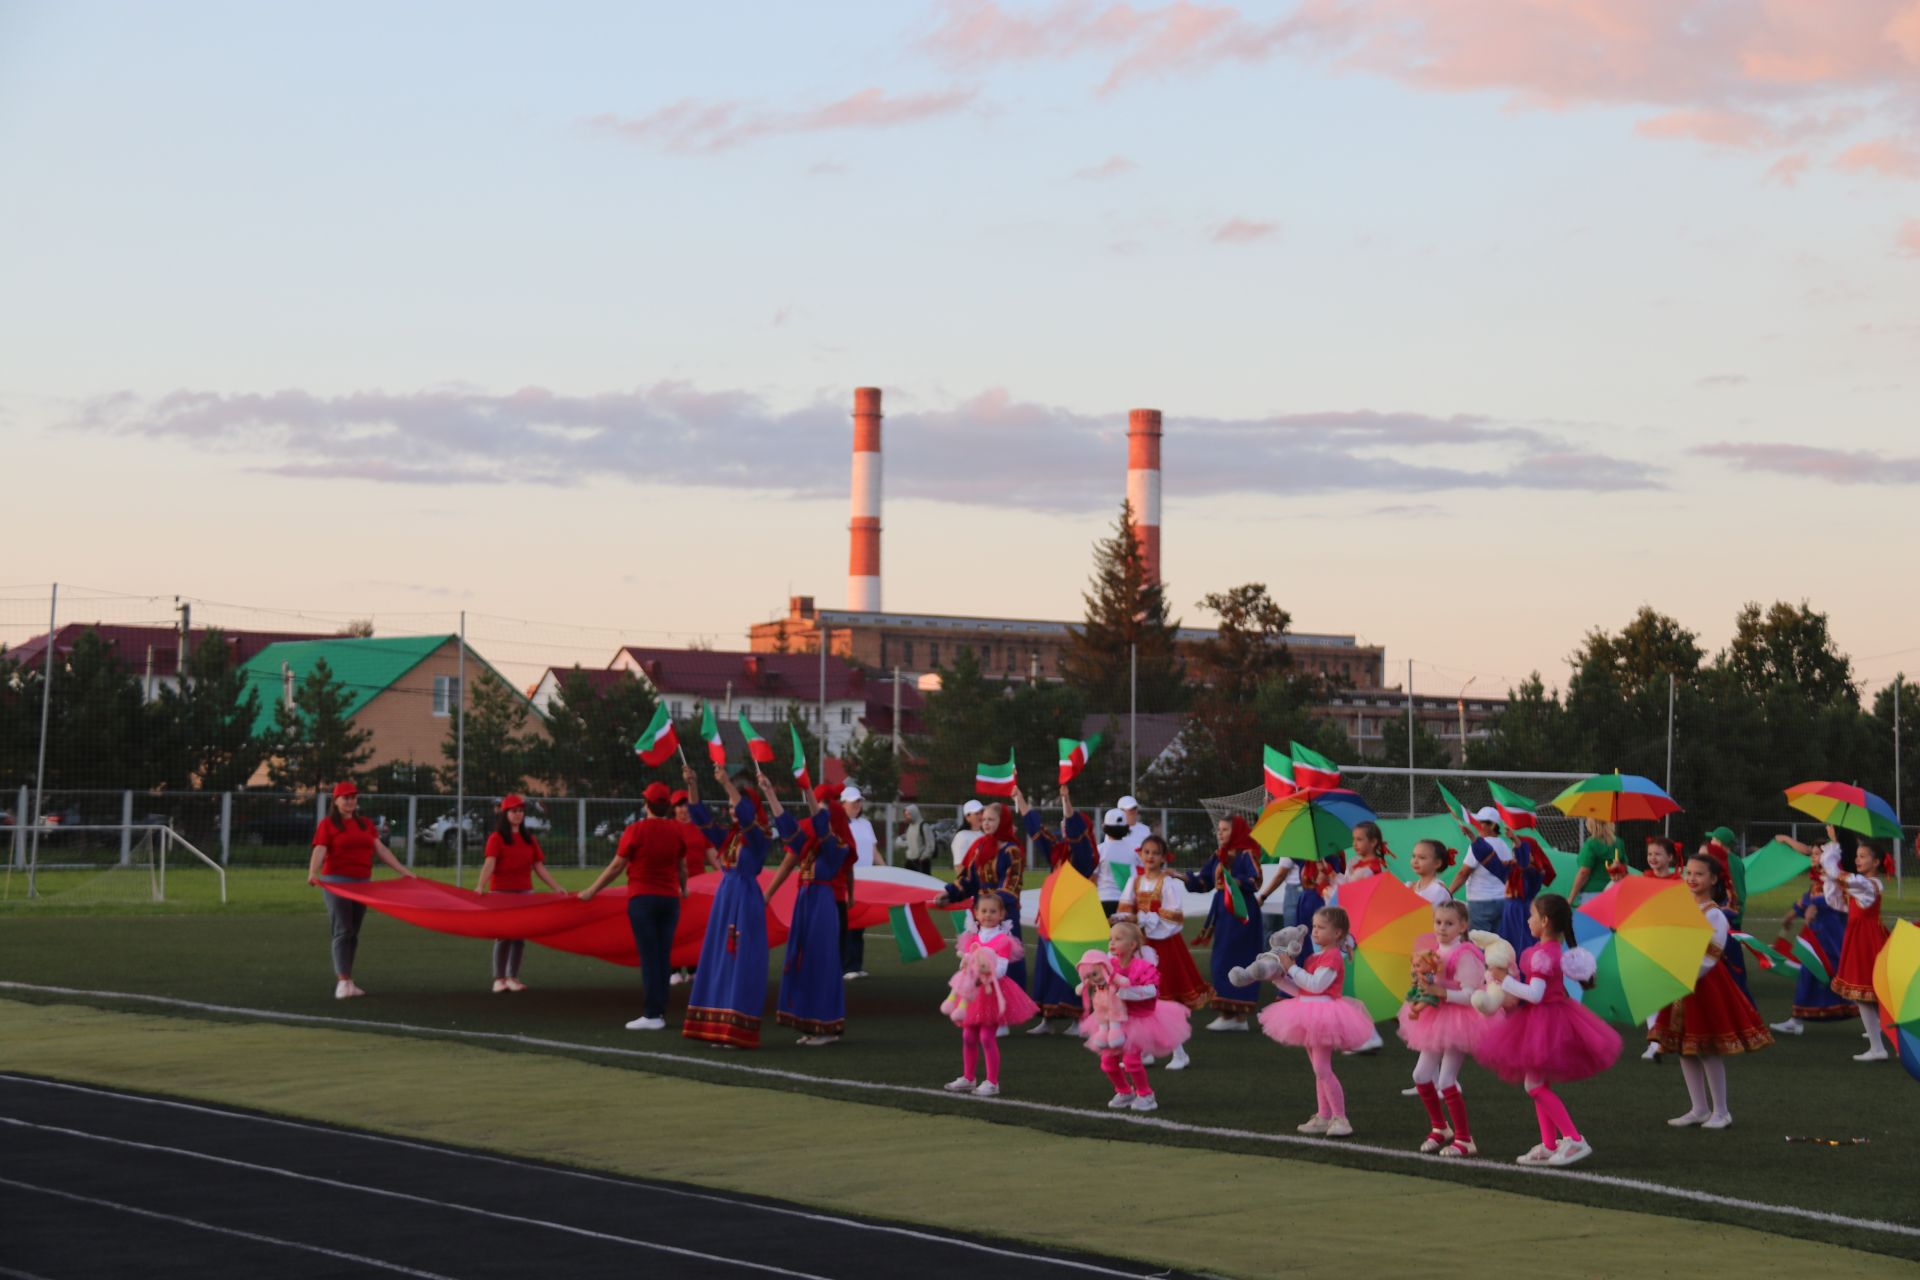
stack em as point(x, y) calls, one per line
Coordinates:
point(1100, 997)
point(975, 981)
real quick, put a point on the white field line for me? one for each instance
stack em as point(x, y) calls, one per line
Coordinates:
point(1690, 1194)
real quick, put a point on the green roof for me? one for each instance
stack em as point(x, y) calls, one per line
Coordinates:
point(366, 666)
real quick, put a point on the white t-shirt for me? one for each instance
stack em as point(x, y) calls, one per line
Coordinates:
point(1115, 853)
point(1483, 885)
point(1436, 893)
point(864, 841)
point(962, 841)
point(1173, 897)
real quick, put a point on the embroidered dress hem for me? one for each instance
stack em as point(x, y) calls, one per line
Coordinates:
point(1180, 979)
point(1845, 1010)
point(1716, 1019)
point(1231, 1008)
point(721, 1026)
point(1854, 992)
point(812, 1026)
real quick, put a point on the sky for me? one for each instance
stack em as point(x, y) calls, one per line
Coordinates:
point(1474, 325)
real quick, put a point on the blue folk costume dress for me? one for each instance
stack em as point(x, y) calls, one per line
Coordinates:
point(1075, 847)
point(1235, 941)
point(995, 865)
point(730, 986)
point(813, 996)
point(1826, 929)
point(1526, 872)
point(1315, 879)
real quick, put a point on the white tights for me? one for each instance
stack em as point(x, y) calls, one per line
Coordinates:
point(1706, 1077)
point(1870, 1019)
point(1442, 1070)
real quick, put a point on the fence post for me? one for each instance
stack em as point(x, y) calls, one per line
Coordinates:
point(126, 828)
point(20, 830)
point(226, 827)
point(413, 825)
point(580, 829)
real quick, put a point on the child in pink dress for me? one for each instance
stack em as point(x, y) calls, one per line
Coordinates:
point(1152, 1025)
point(983, 999)
point(1444, 1034)
point(1320, 1019)
point(1544, 1036)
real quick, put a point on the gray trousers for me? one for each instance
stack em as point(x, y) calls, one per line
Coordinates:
point(508, 952)
point(345, 917)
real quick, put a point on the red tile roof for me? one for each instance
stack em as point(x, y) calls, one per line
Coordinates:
point(706, 673)
point(129, 644)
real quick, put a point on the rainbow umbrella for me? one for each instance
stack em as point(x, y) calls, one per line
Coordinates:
point(1840, 804)
point(1772, 865)
point(1896, 985)
point(1386, 919)
point(1310, 825)
point(1615, 797)
point(1071, 919)
point(1651, 956)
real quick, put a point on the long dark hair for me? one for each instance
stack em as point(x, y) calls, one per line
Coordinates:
point(1558, 914)
point(342, 820)
point(1719, 887)
point(505, 831)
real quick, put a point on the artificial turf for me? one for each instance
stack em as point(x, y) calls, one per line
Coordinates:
point(1806, 1087)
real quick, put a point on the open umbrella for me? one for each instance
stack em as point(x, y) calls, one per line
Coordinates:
point(1071, 918)
point(1841, 804)
point(1386, 918)
point(1310, 825)
point(1896, 985)
point(1772, 865)
point(1651, 956)
point(1615, 797)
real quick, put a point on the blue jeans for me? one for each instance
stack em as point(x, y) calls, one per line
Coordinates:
point(653, 917)
point(1485, 916)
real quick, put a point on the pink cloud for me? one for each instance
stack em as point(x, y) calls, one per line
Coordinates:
point(695, 126)
point(1244, 231)
point(1840, 466)
point(1889, 157)
point(1111, 167)
point(1717, 127)
point(1789, 169)
point(1909, 239)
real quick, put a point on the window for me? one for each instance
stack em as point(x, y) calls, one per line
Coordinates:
point(446, 694)
point(933, 653)
point(1013, 658)
point(906, 653)
point(746, 709)
point(883, 651)
point(846, 715)
point(673, 709)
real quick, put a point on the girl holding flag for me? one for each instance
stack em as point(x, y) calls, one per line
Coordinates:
point(1156, 900)
point(1823, 931)
point(1233, 923)
point(813, 997)
point(1073, 847)
point(730, 986)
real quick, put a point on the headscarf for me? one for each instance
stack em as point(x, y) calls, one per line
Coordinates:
point(1239, 840)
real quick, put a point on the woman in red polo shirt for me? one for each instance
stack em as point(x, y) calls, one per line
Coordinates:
point(654, 856)
point(344, 846)
point(513, 856)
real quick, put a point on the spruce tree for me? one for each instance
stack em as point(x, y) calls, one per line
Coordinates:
point(497, 745)
point(315, 741)
point(206, 724)
point(1126, 614)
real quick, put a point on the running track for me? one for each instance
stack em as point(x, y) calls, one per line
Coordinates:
point(100, 1183)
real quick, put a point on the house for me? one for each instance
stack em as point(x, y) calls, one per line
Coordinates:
point(760, 686)
point(152, 654)
point(403, 690)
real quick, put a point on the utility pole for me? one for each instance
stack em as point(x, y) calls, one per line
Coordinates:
point(1410, 795)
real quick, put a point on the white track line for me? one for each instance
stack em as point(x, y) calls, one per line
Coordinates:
point(409, 1198)
point(336, 1254)
point(683, 1061)
point(624, 1184)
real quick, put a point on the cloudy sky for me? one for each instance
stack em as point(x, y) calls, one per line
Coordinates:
point(1474, 325)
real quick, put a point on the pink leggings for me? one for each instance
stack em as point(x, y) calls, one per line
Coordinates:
point(979, 1042)
point(1126, 1071)
point(1555, 1123)
point(1330, 1098)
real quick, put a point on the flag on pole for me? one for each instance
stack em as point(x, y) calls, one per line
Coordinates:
point(799, 759)
point(1782, 947)
point(757, 747)
point(913, 930)
point(1516, 810)
point(1755, 950)
point(1073, 757)
point(658, 740)
point(1461, 815)
point(996, 779)
point(1313, 771)
point(1279, 774)
point(1812, 956)
point(1237, 900)
point(710, 730)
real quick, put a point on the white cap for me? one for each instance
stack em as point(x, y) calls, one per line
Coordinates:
point(1487, 814)
point(1115, 818)
point(1128, 802)
point(972, 806)
point(850, 793)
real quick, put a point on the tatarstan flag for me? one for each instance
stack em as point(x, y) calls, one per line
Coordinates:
point(1516, 810)
point(658, 740)
point(799, 760)
point(996, 779)
point(1311, 770)
point(1754, 949)
point(1073, 757)
point(716, 750)
point(1237, 900)
point(1279, 774)
point(1462, 816)
point(757, 747)
point(914, 932)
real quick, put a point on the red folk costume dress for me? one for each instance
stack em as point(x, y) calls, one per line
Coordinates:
point(1860, 896)
point(1717, 1018)
point(1145, 897)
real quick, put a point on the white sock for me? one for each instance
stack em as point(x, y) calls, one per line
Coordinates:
point(1870, 1019)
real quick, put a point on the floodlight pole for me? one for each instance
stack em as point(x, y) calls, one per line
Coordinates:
point(460, 755)
point(1900, 834)
point(40, 769)
point(1133, 718)
point(1410, 799)
point(1666, 823)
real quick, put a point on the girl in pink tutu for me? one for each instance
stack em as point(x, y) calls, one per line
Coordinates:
point(1545, 1038)
point(1443, 1034)
point(1320, 1019)
point(983, 999)
point(1152, 1025)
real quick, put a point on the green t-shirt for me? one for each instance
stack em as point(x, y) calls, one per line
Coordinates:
point(1595, 854)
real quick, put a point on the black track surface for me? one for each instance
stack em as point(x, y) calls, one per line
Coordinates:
point(99, 1183)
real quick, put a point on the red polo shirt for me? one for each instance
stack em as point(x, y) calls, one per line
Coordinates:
point(513, 861)
point(654, 850)
point(696, 844)
point(349, 847)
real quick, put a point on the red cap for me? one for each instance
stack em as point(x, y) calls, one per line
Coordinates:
point(511, 802)
point(344, 789)
point(680, 797)
point(656, 793)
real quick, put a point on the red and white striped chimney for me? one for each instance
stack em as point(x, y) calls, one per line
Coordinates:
point(863, 566)
point(1143, 484)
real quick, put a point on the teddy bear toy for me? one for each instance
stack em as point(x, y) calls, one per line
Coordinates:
point(1100, 997)
point(1490, 999)
point(1283, 948)
point(1426, 965)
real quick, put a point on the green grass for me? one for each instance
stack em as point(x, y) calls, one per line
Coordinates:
point(269, 950)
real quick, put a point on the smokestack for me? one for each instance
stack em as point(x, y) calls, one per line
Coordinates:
point(1143, 484)
point(863, 566)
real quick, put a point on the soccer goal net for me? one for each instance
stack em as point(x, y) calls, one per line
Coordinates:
point(114, 865)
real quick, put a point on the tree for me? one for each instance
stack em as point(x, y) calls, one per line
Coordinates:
point(315, 742)
point(963, 727)
point(205, 727)
point(1529, 733)
point(1790, 646)
point(1429, 752)
point(590, 735)
point(1249, 646)
point(100, 730)
point(1880, 728)
point(498, 745)
point(358, 629)
point(19, 725)
point(1646, 651)
point(1126, 615)
point(871, 762)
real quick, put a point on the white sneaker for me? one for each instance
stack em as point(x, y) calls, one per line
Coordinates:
point(499, 986)
point(1371, 1046)
point(1459, 1149)
point(647, 1024)
point(1339, 1127)
point(1075, 1030)
point(1717, 1122)
point(1041, 1028)
point(959, 1084)
point(342, 989)
point(987, 1089)
point(1410, 1093)
point(1146, 1102)
point(1652, 1053)
point(859, 973)
point(1570, 1151)
point(1539, 1155)
point(1001, 1034)
point(1314, 1124)
point(1224, 1023)
point(1120, 1102)
point(1148, 1059)
point(1871, 1055)
point(1791, 1027)
point(676, 979)
point(1688, 1120)
point(849, 975)
point(353, 989)
point(1179, 1060)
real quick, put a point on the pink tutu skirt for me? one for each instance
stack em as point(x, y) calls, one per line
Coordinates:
point(1315, 1021)
point(1159, 1032)
point(1552, 1042)
point(1014, 1005)
point(1441, 1028)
